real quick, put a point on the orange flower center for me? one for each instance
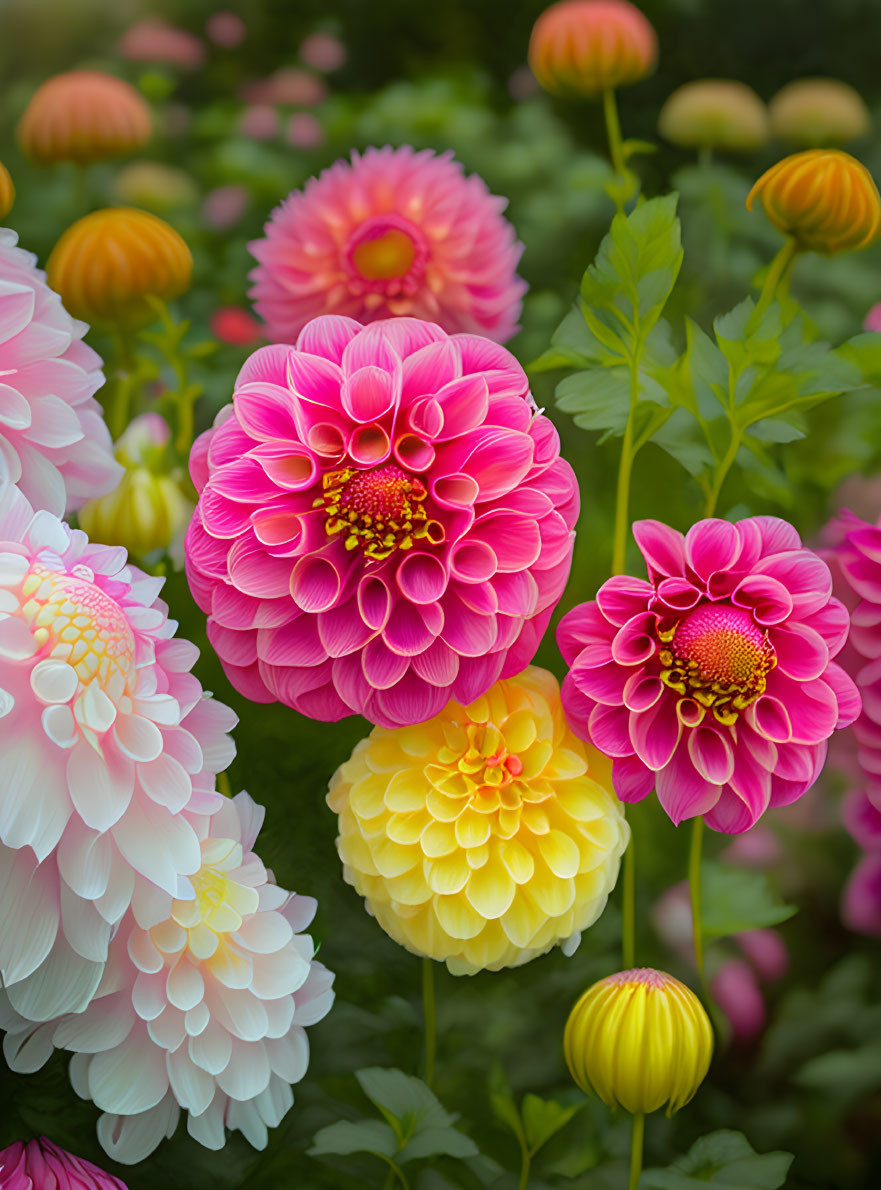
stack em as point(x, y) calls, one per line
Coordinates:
point(379, 510)
point(718, 656)
point(387, 255)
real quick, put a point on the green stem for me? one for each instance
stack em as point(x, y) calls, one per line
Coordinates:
point(628, 908)
point(394, 1169)
point(705, 155)
point(525, 1166)
point(625, 469)
point(429, 1011)
point(722, 471)
point(636, 1142)
point(613, 134)
point(694, 885)
point(779, 265)
point(119, 402)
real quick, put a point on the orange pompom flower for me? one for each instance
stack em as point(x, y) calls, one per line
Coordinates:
point(7, 191)
point(83, 116)
point(824, 198)
point(585, 47)
point(109, 264)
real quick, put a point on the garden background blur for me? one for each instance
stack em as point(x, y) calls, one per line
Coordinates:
point(453, 76)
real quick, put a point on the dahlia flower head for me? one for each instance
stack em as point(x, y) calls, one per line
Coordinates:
point(203, 1005)
point(486, 836)
point(384, 521)
point(53, 441)
point(712, 682)
point(107, 736)
point(41, 1165)
point(391, 232)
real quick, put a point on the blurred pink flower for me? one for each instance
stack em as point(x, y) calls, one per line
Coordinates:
point(41, 1165)
point(233, 325)
point(758, 848)
point(767, 952)
point(861, 900)
point(736, 990)
point(863, 820)
point(323, 51)
point(392, 232)
point(259, 122)
point(384, 521)
point(153, 40)
point(305, 131)
point(225, 206)
point(288, 87)
point(712, 683)
point(226, 29)
point(54, 444)
point(872, 321)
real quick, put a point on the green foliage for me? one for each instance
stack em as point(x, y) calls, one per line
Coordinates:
point(721, 1159)
point(737, 899)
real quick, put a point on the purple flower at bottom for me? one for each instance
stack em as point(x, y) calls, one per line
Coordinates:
point(40, 1165)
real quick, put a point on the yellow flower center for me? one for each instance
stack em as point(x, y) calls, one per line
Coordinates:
point(220, 905)
point(379, 510)
point(718, 656)
point(386, 256)
point(82, 625)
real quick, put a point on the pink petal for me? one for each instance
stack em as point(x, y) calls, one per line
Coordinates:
point(710, 546)
point(662, 547)
point(631, 779)
point(609, 729)
point(801, 653)
point(636, 642)
point(768, 599)
point(656, 733)
point(682, 791)
point(711, 754)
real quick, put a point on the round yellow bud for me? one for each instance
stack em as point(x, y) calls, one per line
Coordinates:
point(146, 512)
point(7, 191)
point(486, 835)
point(108, 264)
point(83, 116)
point(824, 198)
point(812, 113)
point(640, 1040)
point(714, 114)
point(155, 186)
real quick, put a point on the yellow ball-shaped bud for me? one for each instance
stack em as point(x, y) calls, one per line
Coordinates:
point(108, 264)
point(714, 114)
point(83, 116)
point(812, 113)
point(824, 198)
point(486, 835)
point(155, 186)
point(7, 191)
point(585, 47)
point(640, 1040)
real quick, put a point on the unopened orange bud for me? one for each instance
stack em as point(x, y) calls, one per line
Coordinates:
point(83, 116)
point(824, 198)
point(585, 47)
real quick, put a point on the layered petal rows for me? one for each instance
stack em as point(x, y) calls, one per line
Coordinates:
point(53, 441)
point(486, 836)
point(203, 1004)
point(712, 681)
point(384, 521)
point(393, 232)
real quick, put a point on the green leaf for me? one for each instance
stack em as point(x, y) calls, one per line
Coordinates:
point(505, 1109)
point(721, 1159)
point(361, 1136)
point(735, 900)
point(599, 398)
point(403, 1098)
point(852, 1074)
point(436, 1142)
point(543, 1118)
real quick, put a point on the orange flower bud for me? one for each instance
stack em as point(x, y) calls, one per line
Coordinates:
point(7, 192)
point(714, 114)
point(83, 116)
point(824, 198)
point(585, 47)
point(811, 113)
point(109, 263)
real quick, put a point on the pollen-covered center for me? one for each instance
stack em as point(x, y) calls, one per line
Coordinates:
point(386, 254)
point(718, 656)
point(80, 624)
point(221, 903)
point(378, 511)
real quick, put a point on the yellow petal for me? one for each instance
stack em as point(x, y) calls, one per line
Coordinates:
point(560, 853)
point(438, 838)
point(406, 790)
point(458, 918)
point(535, 758)
point(519, 730)
point(517, 859)
point(367, 796)
point(406, 828)
point(472, 829)
point(491, 890)
point(447, 875)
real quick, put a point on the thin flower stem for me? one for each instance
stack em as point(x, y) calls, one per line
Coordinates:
point(636, 1142)
point(722, 472)
point(394, 1170)
point(613, 133)
point(779, 266)
point(119, 402)
point(628, 908)
point(429, 1011)
point(525, 1167)
point(694, 885)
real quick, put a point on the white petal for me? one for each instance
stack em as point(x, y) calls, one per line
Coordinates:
point(84, 860)
point(83, 926)
point(185, 987)
point(29, 1048)
point(279, 974)
point(280, 1015)
point(129, 1139)
point(159, 845)
point(208, 1128)
point(104, 1025)
point(148, 995)
point(29, 912)
point(16, 641)
point(289, 1056)
point(211, 1049)
point(193, 1087)
point(167, 1030)
point(64, 982)
point(13, 568)
point(95, 709)
point(60, 726)
point(166, 782)
point(160, 708)
point(100, 786)
point(143, 953)
point(54, 681)
point(33, 809)
point(248, 1071)
point(138, 737)
point(275, 1102)
point(129, 1079)
point(264, 933)
point(247, 1119)
point(47, 531)
point(197, 1020)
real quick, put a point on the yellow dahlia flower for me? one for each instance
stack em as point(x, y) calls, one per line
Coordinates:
point(108, 264)
point(824, 198)
point(640, 1040)
point(486, 835)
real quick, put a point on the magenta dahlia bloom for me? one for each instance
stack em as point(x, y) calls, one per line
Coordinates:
point(54, 444)
point(384, 521)
point(40, 1165)
point(392, 232)
point(713, 681)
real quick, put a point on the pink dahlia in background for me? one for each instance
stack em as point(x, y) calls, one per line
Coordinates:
point(712, 682)
point(40, 1165)
point(392, 232)
point(384, 521)
point(107, 737)
point(154, 40)
point(53, 441)
point(872, 321)
point(203, 1009)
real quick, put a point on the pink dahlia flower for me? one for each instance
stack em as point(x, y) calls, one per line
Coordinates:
point(40, 1165)
point(107, 736)
point(203, 1008)
point(53, 441)
point(391, 232)
point(384, 521)
point(154, 40)
point(713, 681)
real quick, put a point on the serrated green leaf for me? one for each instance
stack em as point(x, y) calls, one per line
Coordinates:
point(505, 1109)
point(359, 1136)
point(721, 1159)
point(402, 1098)
point(437, 1142)
point(735, 900)
point(543, 1118)
point(599, 398)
